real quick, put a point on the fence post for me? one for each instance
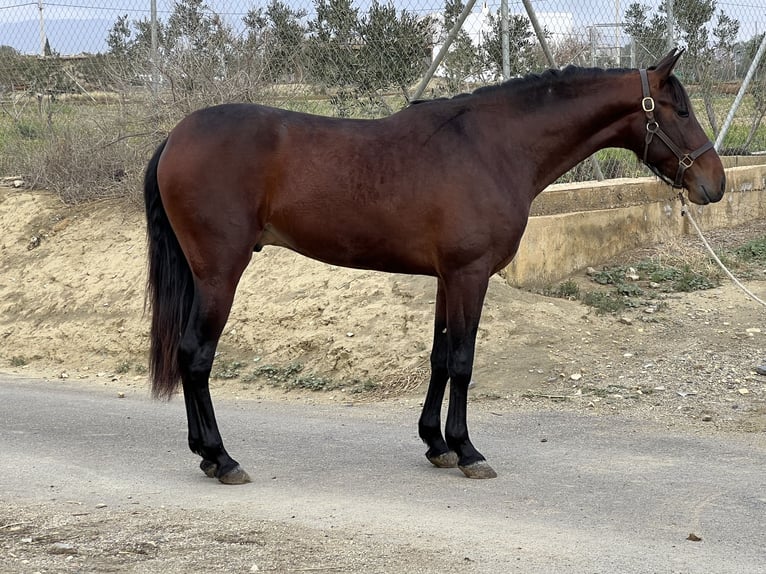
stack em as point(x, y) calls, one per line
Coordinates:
point(154, 62)
point(633, 59)
point(505, 39)
point(741, 93)
point(42, 28)
point(592, 36)
point(670, 24)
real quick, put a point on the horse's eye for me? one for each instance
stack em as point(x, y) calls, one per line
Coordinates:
point(683, 113)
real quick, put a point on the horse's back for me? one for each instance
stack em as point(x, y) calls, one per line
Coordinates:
point(241, 143)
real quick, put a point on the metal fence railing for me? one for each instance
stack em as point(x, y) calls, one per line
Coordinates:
point(96, 83)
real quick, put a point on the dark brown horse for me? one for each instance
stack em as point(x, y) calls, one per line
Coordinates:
point(442, 188)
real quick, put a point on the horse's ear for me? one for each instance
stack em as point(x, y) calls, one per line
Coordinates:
point(665, 66)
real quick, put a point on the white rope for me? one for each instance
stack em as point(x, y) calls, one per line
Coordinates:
point(686, 211)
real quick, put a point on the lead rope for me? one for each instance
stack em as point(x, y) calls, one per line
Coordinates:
point(685, 211)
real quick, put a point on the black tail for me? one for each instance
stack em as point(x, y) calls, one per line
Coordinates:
point(169, 287)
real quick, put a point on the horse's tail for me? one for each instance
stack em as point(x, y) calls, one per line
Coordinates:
point(169, 287)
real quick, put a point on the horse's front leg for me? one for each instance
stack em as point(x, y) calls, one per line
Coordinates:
point(196, 354)
point(465, 297)
point(429, 426)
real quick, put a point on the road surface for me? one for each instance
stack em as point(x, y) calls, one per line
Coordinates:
point(575, 494)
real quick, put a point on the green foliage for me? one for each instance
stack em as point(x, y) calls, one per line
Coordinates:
point(395, 48)
point(130, 48)
point(521, 40)
point(624, 286)
point(359, 56)
point(122, 368)
point(35, 75)
point(347, 59)
point(19, 361)
point(118, 38)
point(604, 302)
point(199, 47)
point(277, 374)
point(29, 129)
point(609, 276)
point(226, 369)
point(691, 20)
point(333, 46)
point(753, 251)
point(463, 63)
point(705, 58)
point(679, 277)
point(291, 377)
point(758, 91)
point(690, 280)
point(311, 383)
point(125, 367)
point(670, 277)
point(566, 290)
point(359, 386)
point(195, 49)
point(648, 32)
point(629, 289)
point(276, 38)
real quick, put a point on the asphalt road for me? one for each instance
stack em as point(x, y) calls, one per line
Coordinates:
point(575, 494)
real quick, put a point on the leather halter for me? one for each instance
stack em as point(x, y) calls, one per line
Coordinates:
point(685, 160)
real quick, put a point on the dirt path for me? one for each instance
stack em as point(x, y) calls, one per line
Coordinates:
point(103, 484)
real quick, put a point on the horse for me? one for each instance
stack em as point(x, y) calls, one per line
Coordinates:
point(442, 188)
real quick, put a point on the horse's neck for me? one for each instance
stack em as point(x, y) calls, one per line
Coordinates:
point(554, 137)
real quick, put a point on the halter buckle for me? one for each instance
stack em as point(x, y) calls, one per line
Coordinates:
point(686, 161)
point(648, 104)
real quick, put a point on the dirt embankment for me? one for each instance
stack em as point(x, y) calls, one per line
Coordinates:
point(71, 305)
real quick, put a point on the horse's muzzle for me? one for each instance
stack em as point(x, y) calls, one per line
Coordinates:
point(707, 192)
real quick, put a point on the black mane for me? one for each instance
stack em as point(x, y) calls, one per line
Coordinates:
point(550, 75)
point(533, 79)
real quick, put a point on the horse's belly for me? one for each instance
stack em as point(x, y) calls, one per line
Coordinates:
point(356, 248)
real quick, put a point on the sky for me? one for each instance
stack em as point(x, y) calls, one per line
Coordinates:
point(76, 26)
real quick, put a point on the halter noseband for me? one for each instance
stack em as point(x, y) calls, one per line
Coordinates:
point(685, 160)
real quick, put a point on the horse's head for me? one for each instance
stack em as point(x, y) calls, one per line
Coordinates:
point(675, 147)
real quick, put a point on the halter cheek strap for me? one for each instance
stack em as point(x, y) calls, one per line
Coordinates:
point(685, 160)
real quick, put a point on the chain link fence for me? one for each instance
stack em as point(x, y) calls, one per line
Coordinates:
point(88, 88)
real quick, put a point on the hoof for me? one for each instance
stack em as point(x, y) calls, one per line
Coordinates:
point(209, 468)
point(237, 475)
point(479, 469)
point(444, 460)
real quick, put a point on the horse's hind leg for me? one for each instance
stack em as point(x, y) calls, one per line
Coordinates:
point(429, 426)
point(212, 303)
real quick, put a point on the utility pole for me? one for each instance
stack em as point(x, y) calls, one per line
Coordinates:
point(154, 63)
point(42, 28)
point(671, 23)
point(617, 33)
point(505, 39)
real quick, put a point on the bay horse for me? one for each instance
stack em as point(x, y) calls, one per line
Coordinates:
point(442, 188)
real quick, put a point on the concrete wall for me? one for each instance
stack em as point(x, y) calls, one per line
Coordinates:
point(574, 226)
